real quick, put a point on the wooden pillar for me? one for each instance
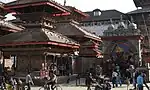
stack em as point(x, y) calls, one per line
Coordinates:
point(29, 62)
point(139, 53)
point(45, 61)
point(3, 61)
point(54, 57)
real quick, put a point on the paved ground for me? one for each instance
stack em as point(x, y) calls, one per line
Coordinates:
point(72, 86)
point(124, 87)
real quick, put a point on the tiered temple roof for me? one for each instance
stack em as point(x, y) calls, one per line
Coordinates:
point(40, 36)
point(72, 29)
point(36, 32)
point(26, 3)
point(75, 10)
point(91, 46)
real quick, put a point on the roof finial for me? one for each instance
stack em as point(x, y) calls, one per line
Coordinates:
point(132, 25)
point(111, 22)
point(132, 19)
point(64, 2)
point(121, 24)
point(111, 26)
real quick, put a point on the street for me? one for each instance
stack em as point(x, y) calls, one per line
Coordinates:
point(124, 87)
point(72, 86)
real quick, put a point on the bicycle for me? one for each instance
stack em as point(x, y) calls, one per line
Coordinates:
point(47, 87)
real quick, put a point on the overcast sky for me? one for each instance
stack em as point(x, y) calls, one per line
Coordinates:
point(89, 5)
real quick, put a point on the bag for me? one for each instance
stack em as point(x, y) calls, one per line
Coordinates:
point(128, 82)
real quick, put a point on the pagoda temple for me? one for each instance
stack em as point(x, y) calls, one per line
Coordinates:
point(122, 47)
point(39, 42)
point(141, 17)
point(89, 52)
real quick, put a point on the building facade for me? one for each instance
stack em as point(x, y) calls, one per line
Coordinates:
point(89, 44)
point(122, 47)
point(99, 20)
point(39, 42)
point(45, 32)
point(141, 17)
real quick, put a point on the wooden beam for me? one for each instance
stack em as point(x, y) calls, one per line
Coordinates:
point(37, 50)
point(43, 43)
point(25, 49)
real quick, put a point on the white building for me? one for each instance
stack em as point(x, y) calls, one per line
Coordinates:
point(99, 20)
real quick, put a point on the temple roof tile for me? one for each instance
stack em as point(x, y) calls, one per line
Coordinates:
point(37, 35)
point(72, 29)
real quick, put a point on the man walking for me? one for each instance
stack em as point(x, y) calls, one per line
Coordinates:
point(29, 81)
point(140, 81)
point(144, 81)
point(114, 78)
point(135, 75)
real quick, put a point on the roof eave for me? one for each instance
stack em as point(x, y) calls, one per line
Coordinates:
point(75, 46)
point(94, 38)
point(9, 7)
point(80, 12)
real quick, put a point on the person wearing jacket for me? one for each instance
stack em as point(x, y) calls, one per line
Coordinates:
point(140, 82)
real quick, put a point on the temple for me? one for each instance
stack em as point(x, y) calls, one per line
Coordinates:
point(52, 34)
point(89, 44)
point(89, 52)
point(39, 42)
point(141, 18)
point(122, 47)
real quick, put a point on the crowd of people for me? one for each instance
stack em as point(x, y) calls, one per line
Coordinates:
point(132, 75)
point(135, 76)
point(8, 82)
point(94, 76)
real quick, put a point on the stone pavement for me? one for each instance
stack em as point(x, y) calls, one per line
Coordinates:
point(72, 86)
point(124, 87)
